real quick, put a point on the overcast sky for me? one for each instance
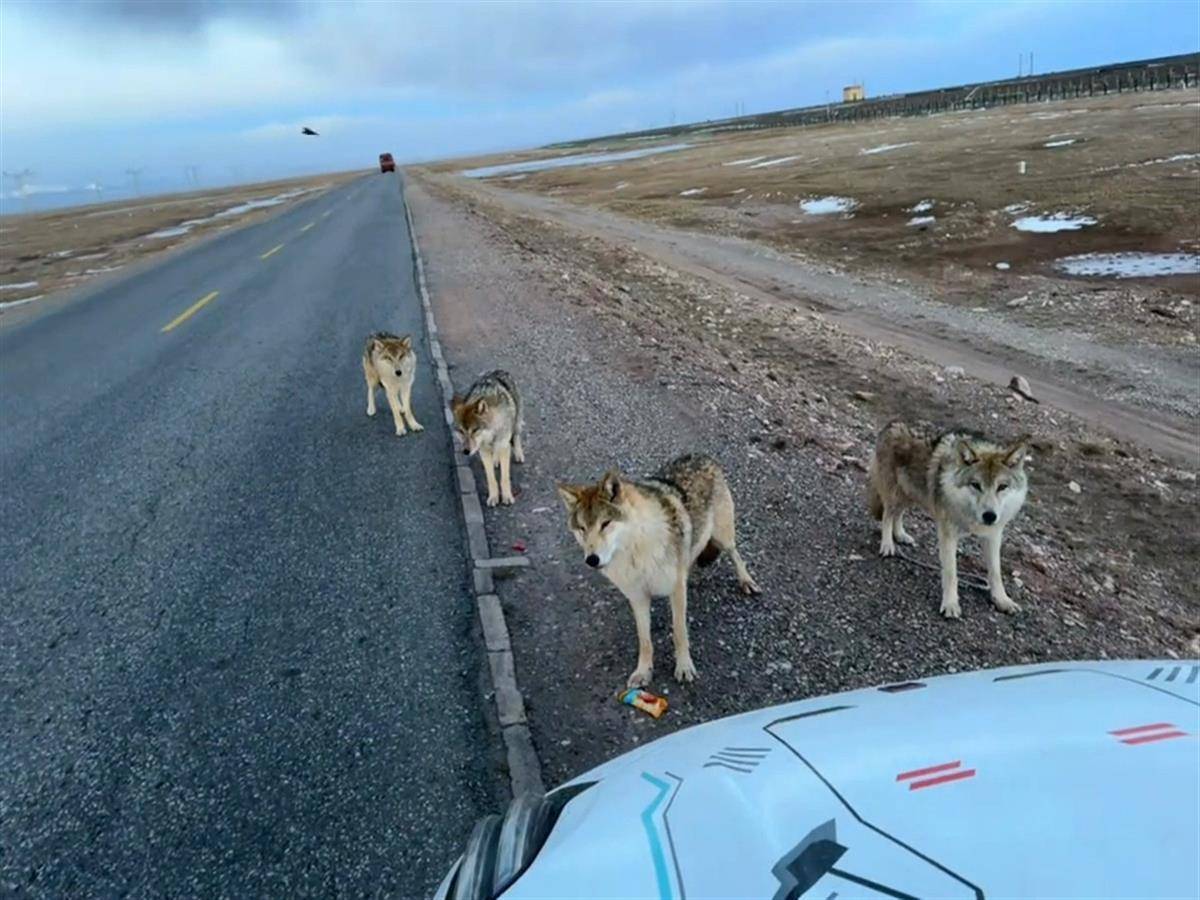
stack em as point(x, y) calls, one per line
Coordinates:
point(90, 89)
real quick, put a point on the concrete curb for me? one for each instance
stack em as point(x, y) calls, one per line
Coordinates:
point(524, 767)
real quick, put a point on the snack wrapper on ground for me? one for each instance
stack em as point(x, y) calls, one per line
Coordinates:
point(645, 701)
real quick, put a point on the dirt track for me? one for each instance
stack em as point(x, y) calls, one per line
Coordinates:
point(627, 360)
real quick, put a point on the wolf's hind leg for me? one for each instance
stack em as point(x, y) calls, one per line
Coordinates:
point(725, 537)
point(504, 454)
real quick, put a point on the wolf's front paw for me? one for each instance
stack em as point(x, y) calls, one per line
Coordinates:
point(903, 537)
point(750, 586)
point(417, 426)
point(519, 458)
point(886, 549)
point(401, 432)
point(370, 410)
point(507, 499)
point(493, 499)
point(1005, 605)
point(639, 678)
point(950, 608)
point(685, 669)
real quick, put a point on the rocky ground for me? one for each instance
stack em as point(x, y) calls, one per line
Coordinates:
point(626, 361)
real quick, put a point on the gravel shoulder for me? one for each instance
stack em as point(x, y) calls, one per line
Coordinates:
point(624, 360)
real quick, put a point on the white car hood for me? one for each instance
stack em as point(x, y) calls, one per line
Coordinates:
point(1064, 780)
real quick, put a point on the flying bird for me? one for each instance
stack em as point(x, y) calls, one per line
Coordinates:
point(307, 130)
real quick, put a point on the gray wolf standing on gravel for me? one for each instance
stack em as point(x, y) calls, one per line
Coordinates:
point(389, 359)
point(489, 422)
point(645, 535)
point(967, 483)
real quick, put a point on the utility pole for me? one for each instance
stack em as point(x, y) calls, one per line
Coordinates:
point(136, 176)
point(1030, 62)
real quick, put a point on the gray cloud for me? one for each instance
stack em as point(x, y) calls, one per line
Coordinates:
point(179, 16)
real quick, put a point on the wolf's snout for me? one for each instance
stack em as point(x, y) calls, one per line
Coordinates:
point(466, 451)
point(592, 560)
point(989, 518)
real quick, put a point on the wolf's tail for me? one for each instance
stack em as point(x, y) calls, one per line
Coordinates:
point(708, 555)
point(874, 498)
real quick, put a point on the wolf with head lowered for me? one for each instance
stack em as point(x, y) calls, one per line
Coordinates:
point(489, 422)
point(645, 534)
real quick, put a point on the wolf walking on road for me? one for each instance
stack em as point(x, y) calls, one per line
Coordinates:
point(967, 483)
point(489, 422)
point(644, 535)
point(390, 360)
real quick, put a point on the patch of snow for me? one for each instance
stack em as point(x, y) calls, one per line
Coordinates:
point(92, 256)
point(1064, 143)
point(101, 269)
point(621, 186)
point(823, 206)
point(21, 286)
point(59, 254)
point(20, 302)
point(745, 162)
point(176, 231)
point(1178, 157)
point(692, 192)
point(775, 162)
point(516, 177)
point(1016, 207)
point(1053, 222)
point(922, 220)
point(740, 191)
point(884, 148)
point(923, 206)
point(1003, 266)
point(1132, 264)
point(559, 162)
point(184, 227)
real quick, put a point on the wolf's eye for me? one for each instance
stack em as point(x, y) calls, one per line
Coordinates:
point(1000, 487)
point(605, 524)
point(976, 485)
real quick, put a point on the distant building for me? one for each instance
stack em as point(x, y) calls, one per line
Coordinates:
point(852, 93)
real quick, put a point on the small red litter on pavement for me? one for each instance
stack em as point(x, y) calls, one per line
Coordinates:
point(519, 547)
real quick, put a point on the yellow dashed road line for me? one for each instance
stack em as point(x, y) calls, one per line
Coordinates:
point(272, 251)
point(190, 311)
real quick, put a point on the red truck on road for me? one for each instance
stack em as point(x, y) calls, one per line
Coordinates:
point(386, 163)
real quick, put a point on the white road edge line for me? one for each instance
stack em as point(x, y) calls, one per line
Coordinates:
point(524, 766)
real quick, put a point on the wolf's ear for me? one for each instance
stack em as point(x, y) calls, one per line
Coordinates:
point(610, 484)
point(406, 342)
point(570, 495)
point(1014, 454)
point(966, 453)
point(456, 403)
point(481, 407)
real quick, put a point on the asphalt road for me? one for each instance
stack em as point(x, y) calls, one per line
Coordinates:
point(236, 646)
